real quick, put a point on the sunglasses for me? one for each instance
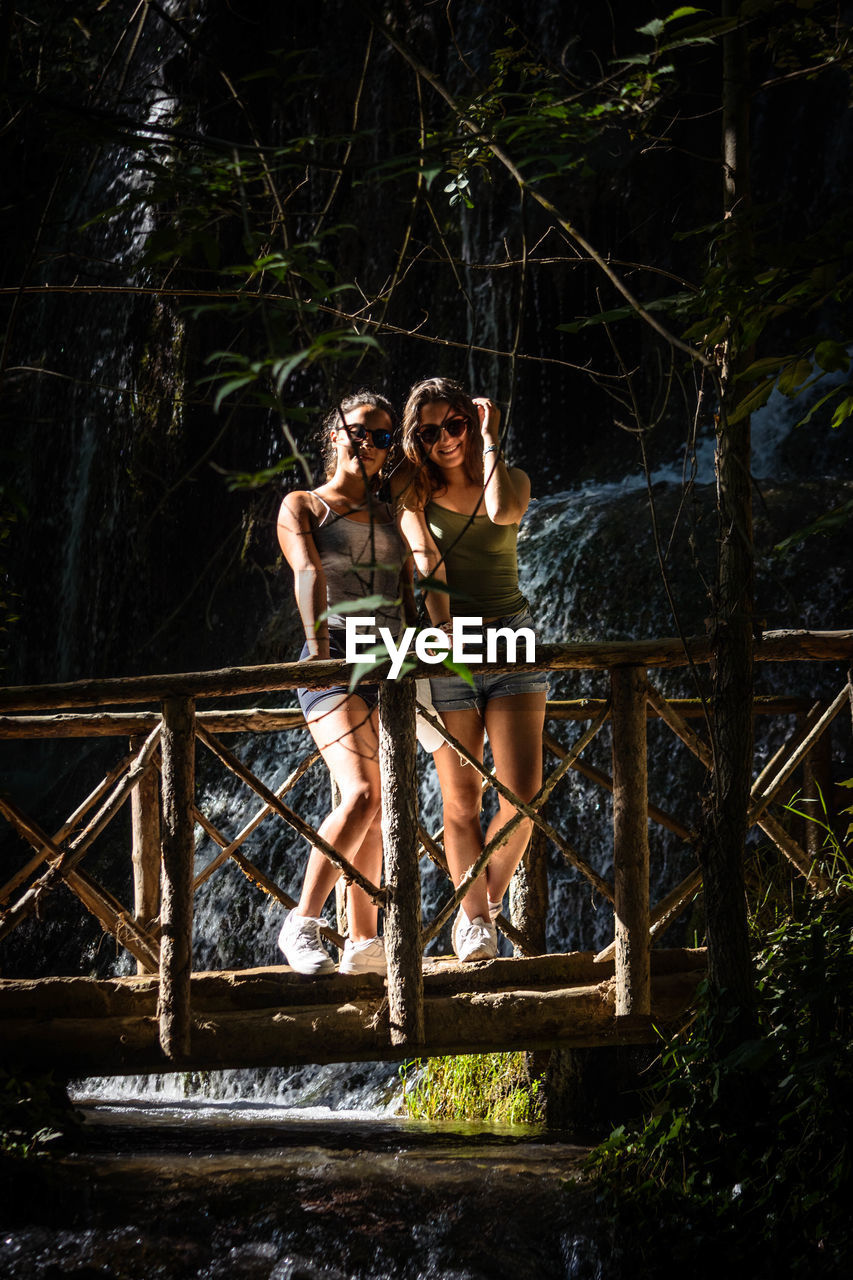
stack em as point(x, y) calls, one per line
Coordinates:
point(430, 433)
point(380, 437)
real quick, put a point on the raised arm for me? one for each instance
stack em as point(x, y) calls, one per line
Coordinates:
point(507, 489)
point(296, 539)
point(415, 531)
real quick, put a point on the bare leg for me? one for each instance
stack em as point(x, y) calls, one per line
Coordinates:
point(514, 725)
point(461, 794)
point(346, 733)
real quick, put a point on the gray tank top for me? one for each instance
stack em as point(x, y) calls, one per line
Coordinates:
point(361, 560)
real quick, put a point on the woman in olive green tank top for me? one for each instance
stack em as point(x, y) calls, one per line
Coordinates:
point(463, 508)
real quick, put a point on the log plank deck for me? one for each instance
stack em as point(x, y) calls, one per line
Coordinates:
point(275, 1017)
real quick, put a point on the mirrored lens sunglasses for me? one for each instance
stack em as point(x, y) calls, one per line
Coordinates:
point(380, 437)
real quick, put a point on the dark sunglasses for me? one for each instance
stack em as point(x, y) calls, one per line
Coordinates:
point(430, 433)
point(380, 437)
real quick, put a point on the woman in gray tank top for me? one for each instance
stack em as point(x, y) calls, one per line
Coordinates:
point(344, 545)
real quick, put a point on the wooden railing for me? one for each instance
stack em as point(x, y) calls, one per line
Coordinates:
point(158, 773)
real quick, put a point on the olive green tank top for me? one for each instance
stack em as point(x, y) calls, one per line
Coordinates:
point(481, 562)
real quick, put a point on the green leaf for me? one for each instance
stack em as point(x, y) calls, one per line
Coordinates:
point(794, 376)
point(843, 412)
point(760, 368)
point(360, 670)
point(459, 669)
point(753, 400)
point(832, 356)
point(685, 11)
point(836, 391)
point(654, 28)
point(233, 384)
point(282, 369)
point(636, 60)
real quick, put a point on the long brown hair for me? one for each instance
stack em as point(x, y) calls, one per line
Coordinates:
point(336, 418)
point(426, 477)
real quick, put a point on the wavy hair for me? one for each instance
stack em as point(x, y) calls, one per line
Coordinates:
point(335, 419)
point(426, 478)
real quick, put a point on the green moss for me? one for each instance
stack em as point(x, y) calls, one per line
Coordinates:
point(484, 1086)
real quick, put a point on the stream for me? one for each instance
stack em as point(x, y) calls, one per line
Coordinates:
point(209, 1190)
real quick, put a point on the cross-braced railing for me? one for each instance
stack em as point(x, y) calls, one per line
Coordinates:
point(157, 777)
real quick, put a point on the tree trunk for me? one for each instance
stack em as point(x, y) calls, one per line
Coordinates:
point(731, 623)
point(397, 765)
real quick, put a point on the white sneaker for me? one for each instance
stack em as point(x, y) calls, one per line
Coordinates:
point(474, 939)
point(494, 909)
point(364, 957)
point(299, 940)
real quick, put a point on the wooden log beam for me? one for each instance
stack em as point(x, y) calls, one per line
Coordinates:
point(355, 1030)
point(794, 852)
point(124, 724)
point(277, 986)
point(178, 848)
point(121, 724)
point(399, 785)
point(804, 724)
point(668, 712)
point(684, 708)
point(773, 646)
point(630, 841)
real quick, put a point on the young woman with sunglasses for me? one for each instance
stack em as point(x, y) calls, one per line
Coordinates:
point(344, 544)
point(461, 521)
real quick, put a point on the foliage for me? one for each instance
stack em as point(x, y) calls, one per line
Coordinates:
point(747, 1159)
point(34, 1113)
point(494, 1087)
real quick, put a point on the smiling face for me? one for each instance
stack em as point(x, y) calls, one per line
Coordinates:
point(437, 420)
point(355, 453)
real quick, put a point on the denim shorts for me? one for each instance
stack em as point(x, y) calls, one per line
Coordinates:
point(452, 693)
point(309, 698)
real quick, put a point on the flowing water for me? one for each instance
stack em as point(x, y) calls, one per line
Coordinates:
point(259, 1193)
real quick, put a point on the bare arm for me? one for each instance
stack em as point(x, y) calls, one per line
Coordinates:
point(507, 489)
point(296, 539)
point(415, 531)
point(407, 592)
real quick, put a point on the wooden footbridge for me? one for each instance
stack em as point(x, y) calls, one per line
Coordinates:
point(167, 1017)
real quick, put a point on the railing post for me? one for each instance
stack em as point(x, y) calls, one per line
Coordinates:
point(817, 786)
point(145, 844)
point(630, 840)
point(397, 765)
point(176, 917)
